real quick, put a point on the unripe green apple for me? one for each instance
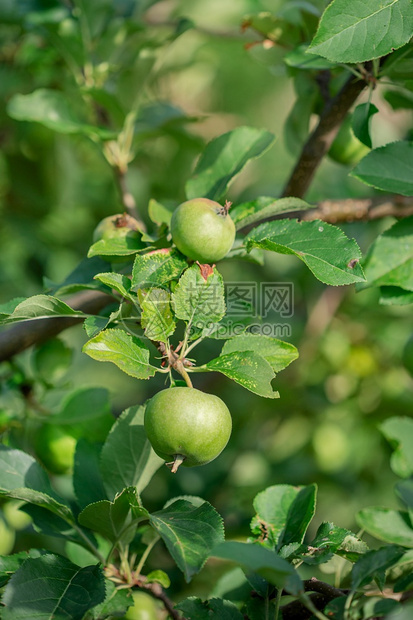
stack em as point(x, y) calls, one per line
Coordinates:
point(187, 426)
point(346, 148)
point(55, 448)
point(203, 230)
point(116, 226)
point(7, 538)
point(17, 519)
point(143, 608)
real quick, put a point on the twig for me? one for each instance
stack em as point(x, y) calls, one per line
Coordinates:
point(28, 333)
point(322, 137)
point(127, 199)
point(358, 209)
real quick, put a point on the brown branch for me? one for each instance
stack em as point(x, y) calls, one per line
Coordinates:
point(323, 594)
point(322, 137)
point(360, 209)
point(28, 333)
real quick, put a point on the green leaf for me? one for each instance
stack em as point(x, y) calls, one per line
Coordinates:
point(399, 432)
point(157, 267)
point(300, 60)
point(248, 369)
point(199, 299)
point(278, 354)
point(389, 261)
point(215, 608)
point(87, 479)
point(157, 318)
point(393, 295)
point(40, 307)
point(117, 247)
point(223, 159)
point(355, 31)
point(257, 559)
point(283, 514)
point(158, 213)
point(111, 518)
point(115, 604)
point(9, 307)
point(404, 490)
point(51, 587)
point(373, 564)
point(159, 576)
point(389, 168)
point(189, 532)
point(52, 109)
point(127, 352)
point(81, 278)
point(9, 564)
point(82, 405)
point(121, 284)
point(253, 211)
point(127, 456)
point(51, 524)
point(392, 526)
point(328, 253)
point(331, 539)
point(361, 122)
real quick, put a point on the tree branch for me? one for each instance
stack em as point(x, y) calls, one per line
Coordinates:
point(28, 333)
point(358, 209)
point(322, 137)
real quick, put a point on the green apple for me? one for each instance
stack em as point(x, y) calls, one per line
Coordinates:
point(117, 226)
point(346, 149)
point(186, 426)
point(7, 538)
point(203, 230)
point(143, 608)
point(55, 447)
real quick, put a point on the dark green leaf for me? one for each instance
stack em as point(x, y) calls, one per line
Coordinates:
point(389, 168)
point(127, 352)
point(189, 532)
point(52, 588)
point(127, 456)
point(248, 369)
point(278, 354)
point(82, 277)
point(215, 609)
point(87, 479)
point(82, 405)
point(40, 307)
point(328, 253)
point(257, 559)
point(224, 158)
point(373, 564)
point(115, 604)
point(9, 564)
point(300, 515)
point(348, 30)
point(157, 318)
point(361, 122)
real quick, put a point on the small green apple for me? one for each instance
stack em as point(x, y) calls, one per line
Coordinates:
point(55, 447)
point(203, 230)
point(143, 608)
point(186, 426)
point(346, 149)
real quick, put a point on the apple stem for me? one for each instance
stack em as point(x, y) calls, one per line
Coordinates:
point(178, 460)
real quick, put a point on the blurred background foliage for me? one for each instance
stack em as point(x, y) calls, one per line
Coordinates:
point(193, 74)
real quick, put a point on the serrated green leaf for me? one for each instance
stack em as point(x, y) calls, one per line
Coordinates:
point(116, 281)
point(157, 267)
point(127, 352)
point(194, 608)
point(117, 247)
point(50, 524)
point(157, 318)
point(331, 256)
point(158, 576)
point(331, 539)
point(257, 559)
point(50, 587)
point(158, 213)
point(9, 307)
point(127, 456)
point(373, 564)
point(9, 564)
point(361, 122)
point(392, 526)
point(348, 30)
point(278, 354)
point(52, 109)
point(389, 261)
point(248, 369)
point(399, 432)
point(271, 507)
point(253, 211)
point(40, 307)
point(199, 300)
point(111, 518)
point(189, 532)
point(115, 604)
point(223, 159)
point(300, 515)
point(389, 168)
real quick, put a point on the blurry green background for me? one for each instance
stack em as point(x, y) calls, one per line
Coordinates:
point(55, 188)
